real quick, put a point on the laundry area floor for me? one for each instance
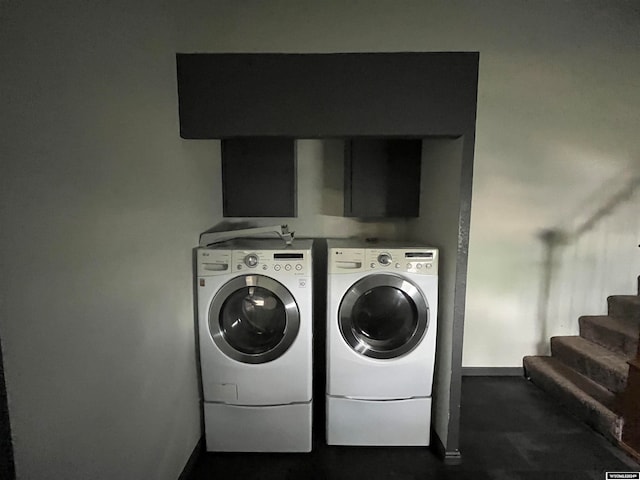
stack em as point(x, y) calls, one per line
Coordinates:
point(509, 430)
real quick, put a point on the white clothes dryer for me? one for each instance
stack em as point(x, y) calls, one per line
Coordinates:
point(255, 334)
point(381, 341)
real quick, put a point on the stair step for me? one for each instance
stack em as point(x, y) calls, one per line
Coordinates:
point(624, 306)
point(607, 368)
point(619, 335)
point(584, 398)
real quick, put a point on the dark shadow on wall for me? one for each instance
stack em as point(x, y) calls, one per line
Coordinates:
point(612, 195)
point(319, 257)
point(7, 469)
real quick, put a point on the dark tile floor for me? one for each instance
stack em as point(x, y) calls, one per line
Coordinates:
point(509, 430)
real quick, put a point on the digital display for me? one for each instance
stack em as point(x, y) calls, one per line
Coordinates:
point(287, 256)
point(418, 255)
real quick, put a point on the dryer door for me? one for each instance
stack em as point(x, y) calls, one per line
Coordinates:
point(383, 316)
point(253, 319)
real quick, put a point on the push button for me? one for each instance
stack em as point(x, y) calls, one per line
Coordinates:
point(298, 267)
point(287, 267)
point(277, 268)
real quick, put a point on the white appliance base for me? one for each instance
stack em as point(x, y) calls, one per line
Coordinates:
point(378, 422)
point(278, 428)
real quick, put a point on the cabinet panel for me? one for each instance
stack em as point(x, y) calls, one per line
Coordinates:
point(382, 177)
point(259, 177)
point(226, 95)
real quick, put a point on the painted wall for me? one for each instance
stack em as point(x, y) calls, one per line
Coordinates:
point(595, 257)
point(102, 202)
point(438, 225)
point(101, 205)
point(558, 109)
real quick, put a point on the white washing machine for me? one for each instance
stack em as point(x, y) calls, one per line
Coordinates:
point(255, 329)
point(381, 340)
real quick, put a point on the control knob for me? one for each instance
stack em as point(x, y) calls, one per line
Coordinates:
point(384, 259)
point(251, 260)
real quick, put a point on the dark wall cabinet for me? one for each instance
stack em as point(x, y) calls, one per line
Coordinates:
point(382, 177)
point(259, 177)
point(225, 95)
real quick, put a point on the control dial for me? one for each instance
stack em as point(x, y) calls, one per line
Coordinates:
point(251, 260)
point(384, 259)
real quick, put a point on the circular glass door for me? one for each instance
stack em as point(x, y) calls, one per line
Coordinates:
point(253, 319)
point(383, 316)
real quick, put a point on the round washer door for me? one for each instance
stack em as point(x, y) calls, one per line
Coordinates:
point(253, 319)
point(383, 316)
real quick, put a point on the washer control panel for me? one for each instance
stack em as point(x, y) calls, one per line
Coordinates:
point(419, 260)
point(385, 259)
point(213, 262)
point(270, 261)
point(251, 260)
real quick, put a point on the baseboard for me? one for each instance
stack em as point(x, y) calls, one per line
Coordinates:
point(193, 459)
point(492, 372)
point(448, 457)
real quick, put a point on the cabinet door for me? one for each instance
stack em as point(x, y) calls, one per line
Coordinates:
point(382, 177)
point(259, 177)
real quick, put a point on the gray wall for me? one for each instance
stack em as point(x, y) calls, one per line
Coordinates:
point(558, 109)
point(101, 201)
point(101, 205)
point(438, 225)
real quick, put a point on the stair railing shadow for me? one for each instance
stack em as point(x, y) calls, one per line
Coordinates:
point(570, 231)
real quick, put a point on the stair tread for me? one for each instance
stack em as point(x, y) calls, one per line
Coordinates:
point(611, 360)
point(585, 388)
point(582, 397)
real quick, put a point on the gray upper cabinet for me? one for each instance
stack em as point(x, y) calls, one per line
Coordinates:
point(382, 177)
point(224, 95)
point(259, 177)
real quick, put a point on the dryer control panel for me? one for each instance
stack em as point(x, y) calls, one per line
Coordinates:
point(294, 262)
point(350, 260)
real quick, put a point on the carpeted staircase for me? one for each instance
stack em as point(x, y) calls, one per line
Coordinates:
point(588, 373)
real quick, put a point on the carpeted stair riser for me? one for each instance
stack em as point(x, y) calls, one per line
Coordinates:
point(587, 373)
point(616, 334)
point(582, 397)
point(597, 363)
point(624, 306)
